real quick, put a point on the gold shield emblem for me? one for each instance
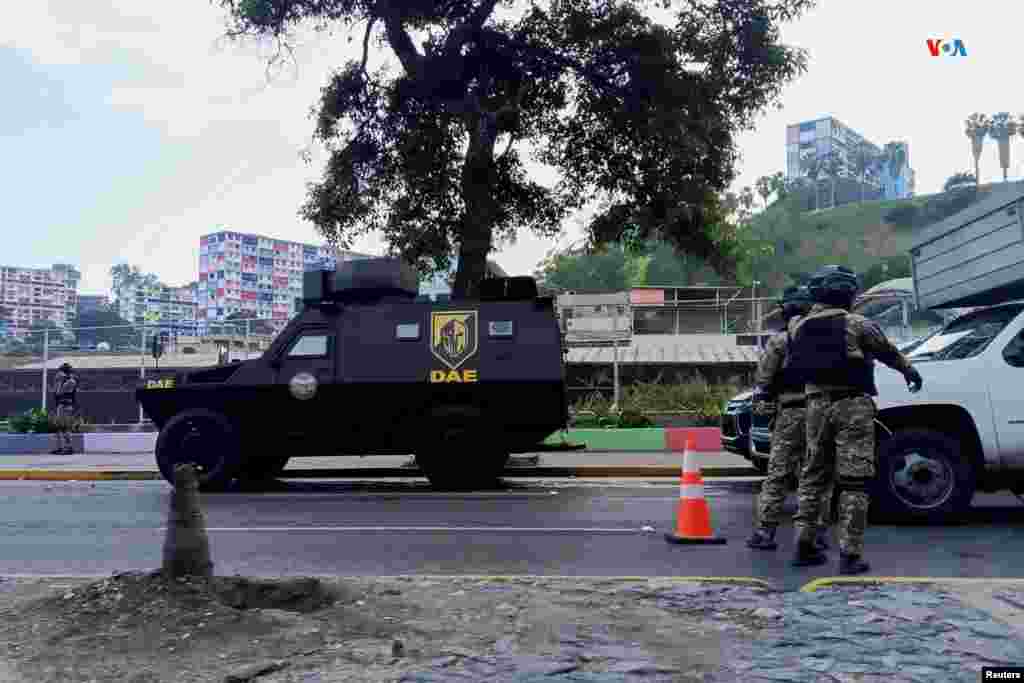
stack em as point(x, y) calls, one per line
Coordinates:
point(453, 336)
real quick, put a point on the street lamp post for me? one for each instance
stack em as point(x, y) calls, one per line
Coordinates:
point(753, 307)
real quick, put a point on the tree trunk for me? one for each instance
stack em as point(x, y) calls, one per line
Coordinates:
point(186, 546)
point(478, 195)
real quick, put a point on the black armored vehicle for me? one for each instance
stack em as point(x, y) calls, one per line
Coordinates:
point(370, 368)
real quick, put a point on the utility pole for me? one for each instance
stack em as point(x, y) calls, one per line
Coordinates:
point(46, 359)
point(142, 365)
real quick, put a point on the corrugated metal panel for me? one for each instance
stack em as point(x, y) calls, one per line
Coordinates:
point(664, 355)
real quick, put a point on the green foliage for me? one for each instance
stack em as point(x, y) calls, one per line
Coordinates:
point(115, 330)
point(889, 269)
point(35, 421)
point(638, 401)
point(905, 216)
point(432, 156)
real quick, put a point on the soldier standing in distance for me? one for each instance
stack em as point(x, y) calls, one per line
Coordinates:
point(65, 396)
point(833, 350)
point(774, 385)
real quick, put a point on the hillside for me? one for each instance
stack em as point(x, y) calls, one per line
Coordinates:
point(858, 235)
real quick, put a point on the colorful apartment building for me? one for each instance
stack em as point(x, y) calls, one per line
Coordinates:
point(33, 295)
point(258, 276)
point(173, 310)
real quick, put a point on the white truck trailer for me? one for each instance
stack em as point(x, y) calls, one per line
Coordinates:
point(964, 431)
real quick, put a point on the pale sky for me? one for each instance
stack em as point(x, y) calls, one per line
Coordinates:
point(128, 128)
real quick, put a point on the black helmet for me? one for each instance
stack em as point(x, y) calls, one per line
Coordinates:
point(834, 285)
point(795, 301)
point(65, 367)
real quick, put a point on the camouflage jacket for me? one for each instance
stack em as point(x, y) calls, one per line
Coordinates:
point(770, 365)
point(864, 339)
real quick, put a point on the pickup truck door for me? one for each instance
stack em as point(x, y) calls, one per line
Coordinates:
point(305, 381)
point(1008, 401)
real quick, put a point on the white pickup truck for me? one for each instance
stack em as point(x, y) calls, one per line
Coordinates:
point(964, 431)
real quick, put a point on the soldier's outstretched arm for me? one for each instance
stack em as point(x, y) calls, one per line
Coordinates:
point(874, 341)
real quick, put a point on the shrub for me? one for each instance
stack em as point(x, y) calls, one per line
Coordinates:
point(37, 421)
point(902, 216)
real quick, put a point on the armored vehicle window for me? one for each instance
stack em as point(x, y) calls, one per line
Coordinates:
point(309, 346)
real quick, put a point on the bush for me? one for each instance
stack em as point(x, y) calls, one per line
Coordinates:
point(902, 216)
point(705, 401)
point(38, 421)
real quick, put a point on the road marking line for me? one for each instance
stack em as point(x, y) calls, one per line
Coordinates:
point(591, 530)
point(862, 581)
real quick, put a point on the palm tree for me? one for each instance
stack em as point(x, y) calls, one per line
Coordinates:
point(864, 160)
point(976, 128)
point(764, 188)
point(1002, 128)
point(811, 165)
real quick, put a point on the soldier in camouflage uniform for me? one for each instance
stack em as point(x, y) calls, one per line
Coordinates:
point(66, 399)
point(834, 351)
point(773, 393)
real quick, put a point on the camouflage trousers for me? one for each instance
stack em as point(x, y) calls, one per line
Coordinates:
point(787, 460)
point(65, 418)
point(840, 449)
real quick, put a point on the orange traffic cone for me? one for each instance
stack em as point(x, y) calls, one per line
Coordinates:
point(693, 517)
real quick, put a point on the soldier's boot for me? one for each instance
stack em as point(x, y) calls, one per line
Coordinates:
point(807, 552)
point(821, 540)
point(762, 539)
point(852, 564)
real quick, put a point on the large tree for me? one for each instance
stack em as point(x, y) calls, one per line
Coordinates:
point(626, 109)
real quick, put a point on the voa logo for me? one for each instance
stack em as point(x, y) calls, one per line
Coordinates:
point(940, 47)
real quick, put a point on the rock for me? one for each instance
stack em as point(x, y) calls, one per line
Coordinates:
point(441, 662)
point(397, 648)
point(767, 613)
point(252, 671)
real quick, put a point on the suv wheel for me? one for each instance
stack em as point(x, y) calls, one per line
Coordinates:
point(923, 476)
point(202, 437)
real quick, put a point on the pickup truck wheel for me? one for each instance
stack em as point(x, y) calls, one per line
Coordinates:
point(923, 476)
point(202, 437)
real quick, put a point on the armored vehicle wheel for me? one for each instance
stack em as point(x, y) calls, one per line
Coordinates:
point(202, 437)
point(462, 470)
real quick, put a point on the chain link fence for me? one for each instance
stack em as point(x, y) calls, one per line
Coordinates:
point(36, 355)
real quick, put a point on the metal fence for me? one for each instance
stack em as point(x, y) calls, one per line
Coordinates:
point(132, 347)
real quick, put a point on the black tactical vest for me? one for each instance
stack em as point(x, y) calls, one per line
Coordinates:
point(817, 354)
point(66, 397)
point(788, 381)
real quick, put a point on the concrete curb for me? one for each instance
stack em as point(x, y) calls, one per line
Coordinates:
point(830, 581)
point(654, 439)
point(597, 472)
point(500, 578)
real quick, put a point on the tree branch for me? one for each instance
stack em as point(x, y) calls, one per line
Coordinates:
point(464, 31)
point(366, 44)
point(545, 53)
point(401, 42)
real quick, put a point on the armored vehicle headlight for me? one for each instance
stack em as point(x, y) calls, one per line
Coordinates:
point(499, 328)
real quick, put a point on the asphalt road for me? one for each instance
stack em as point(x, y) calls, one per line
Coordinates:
point(403, 527)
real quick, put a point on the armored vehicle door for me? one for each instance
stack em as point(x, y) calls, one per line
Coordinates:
point(306, 372)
